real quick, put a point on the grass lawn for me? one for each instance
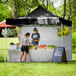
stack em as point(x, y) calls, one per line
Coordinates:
point(33, 68)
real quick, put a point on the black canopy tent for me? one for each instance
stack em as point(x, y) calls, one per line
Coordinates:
point(39, 16)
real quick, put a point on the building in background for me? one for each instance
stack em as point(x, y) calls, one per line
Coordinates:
point(3, 25)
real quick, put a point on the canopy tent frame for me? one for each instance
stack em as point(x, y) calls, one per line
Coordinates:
point(5, 42)
point(33, 19)
point(39, 16)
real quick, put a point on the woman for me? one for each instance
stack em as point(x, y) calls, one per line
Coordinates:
point(35, 38)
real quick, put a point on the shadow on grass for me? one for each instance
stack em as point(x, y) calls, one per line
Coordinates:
point(1, 59)
point(74, 51)
point(72, 62)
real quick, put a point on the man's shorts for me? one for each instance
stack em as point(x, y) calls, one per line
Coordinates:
point(25, 48)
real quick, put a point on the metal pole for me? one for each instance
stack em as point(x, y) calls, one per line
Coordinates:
point(61, 35)
point(5, 42)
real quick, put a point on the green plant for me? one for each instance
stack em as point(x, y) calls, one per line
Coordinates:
point(12, 43)
point(9, 32)
point(64, 31)
point(73, 40)
point(51, 46)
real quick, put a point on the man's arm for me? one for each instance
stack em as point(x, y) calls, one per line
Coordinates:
point(29, 41)
point(21, 42)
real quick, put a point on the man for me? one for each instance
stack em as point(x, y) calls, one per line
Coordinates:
point(25, 46)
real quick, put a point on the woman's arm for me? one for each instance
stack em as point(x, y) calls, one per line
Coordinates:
point(32, 39)
point(37, 40)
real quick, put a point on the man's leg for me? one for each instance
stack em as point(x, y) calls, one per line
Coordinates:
point(25, 54)
point(21, 56)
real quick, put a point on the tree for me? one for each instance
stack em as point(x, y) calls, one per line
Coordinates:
point(73, 14)
point(64, 9)
point(17, 8)
point(69, 10)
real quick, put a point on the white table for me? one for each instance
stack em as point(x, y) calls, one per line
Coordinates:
point(33, 56)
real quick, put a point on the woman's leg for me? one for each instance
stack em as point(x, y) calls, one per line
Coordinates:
point(22, 53)
point(25, 54)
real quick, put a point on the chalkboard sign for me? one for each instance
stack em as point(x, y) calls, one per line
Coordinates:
point(59, 55)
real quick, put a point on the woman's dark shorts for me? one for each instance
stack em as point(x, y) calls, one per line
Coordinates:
point(25, 48)
point(35, 42)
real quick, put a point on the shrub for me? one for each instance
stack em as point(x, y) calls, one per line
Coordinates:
point(9, 32)
point(73, 40)
point(12, 43)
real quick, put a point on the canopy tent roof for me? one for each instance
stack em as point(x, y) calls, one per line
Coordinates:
point(3, 24)
point(39, 16)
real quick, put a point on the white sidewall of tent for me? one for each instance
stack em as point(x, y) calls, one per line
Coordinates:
point(49, 36)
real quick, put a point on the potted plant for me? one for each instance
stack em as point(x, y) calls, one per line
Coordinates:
point(13, 46)
point(11, 43)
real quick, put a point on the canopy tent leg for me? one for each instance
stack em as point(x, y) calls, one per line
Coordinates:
point(61, 35)
point(5, 43)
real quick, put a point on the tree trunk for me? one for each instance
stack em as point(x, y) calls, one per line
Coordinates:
point(15, 10)
point(47, 5)
point(69, 10)
point(64, 9)
point(19, 34)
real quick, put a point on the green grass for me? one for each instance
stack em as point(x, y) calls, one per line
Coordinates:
point(37, 69)
point(33, 68)
point(2, 46)
point(8, 41)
